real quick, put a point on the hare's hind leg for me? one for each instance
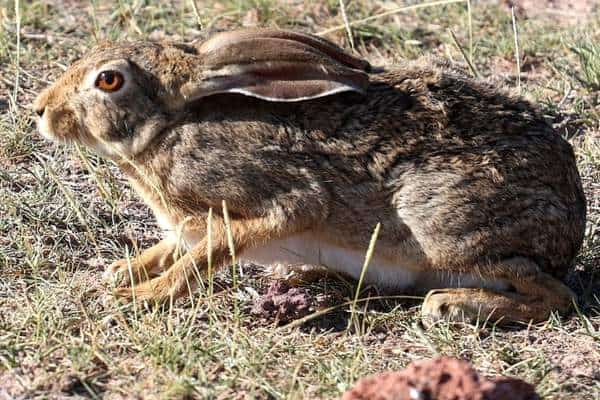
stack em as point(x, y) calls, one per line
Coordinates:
point(149, 264)
point(533, 296)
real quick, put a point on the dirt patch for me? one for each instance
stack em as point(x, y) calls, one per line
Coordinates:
point(283, 303)
point(574, 358)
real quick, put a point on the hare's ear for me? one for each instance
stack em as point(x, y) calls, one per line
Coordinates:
point(276, 66)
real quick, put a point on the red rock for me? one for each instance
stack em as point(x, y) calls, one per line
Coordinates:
point(441, 378)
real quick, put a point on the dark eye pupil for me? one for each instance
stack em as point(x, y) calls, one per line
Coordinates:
point(108, 77)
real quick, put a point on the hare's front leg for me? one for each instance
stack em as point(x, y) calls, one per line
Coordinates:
point(533, 296)
point(142, 267)
point(184, 274)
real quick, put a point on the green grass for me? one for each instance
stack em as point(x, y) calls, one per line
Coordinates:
point(64, 216)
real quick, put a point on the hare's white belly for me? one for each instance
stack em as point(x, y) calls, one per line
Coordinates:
point(305, 249)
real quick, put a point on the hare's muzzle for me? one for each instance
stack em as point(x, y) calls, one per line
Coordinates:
point(39, 107)
point(55, 118)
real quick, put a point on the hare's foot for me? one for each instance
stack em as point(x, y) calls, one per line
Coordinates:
point(461, 305)
point(180, 279)
point(124, 272)
point(143, 267)
point(533, 299)
point(157, 290)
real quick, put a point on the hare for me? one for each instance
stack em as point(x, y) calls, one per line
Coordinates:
point(480, 201)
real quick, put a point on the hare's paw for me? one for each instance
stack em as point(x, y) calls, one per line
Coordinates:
point(117, 273)
point(455, 305)
point(161, 289)
point(121, 272)
point(149, 291)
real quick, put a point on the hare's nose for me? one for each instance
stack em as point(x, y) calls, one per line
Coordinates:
point(40, 110)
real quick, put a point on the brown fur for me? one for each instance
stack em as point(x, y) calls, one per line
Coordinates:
point(463, 176)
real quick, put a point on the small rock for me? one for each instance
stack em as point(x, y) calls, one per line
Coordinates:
point(440, 378)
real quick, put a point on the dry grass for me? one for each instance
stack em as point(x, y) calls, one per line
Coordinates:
point(64, 216)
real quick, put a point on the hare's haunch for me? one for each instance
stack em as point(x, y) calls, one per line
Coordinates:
point(479, 200)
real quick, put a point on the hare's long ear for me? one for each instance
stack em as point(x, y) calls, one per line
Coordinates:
point(275, 65)
point(325, 46)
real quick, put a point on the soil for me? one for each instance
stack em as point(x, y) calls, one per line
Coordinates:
point(283, 303)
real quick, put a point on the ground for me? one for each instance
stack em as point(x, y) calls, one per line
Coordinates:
point(65, 215)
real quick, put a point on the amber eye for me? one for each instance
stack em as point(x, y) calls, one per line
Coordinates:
point(109, 81)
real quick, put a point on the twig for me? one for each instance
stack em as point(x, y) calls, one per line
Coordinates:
point(462, 51)
point(517, 52)
point(363, 272)
point(209, 250)
point(347, 24)
point(14, 99)
point(233, 261)
point(196, 13)
point(95, 27)
point(130, 270)
point(470, 23)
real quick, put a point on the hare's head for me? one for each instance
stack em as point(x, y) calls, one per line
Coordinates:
point(118, 97)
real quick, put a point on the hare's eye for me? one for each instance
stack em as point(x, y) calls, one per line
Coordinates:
point(109, 81)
